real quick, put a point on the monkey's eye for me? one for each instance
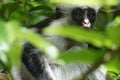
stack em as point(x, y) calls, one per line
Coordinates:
point(77, 13)
point(92, 14)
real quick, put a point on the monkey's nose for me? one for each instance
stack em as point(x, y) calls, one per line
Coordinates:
point(86, 23)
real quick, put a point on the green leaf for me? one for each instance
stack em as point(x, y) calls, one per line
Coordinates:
point(15, 47)
point(3, 34)
point(81, 35)
point(41, 43)
point(14, 54)
point(11, 47)
point(110, 2)
point(88, 2)
point(12, 30)
point(114, 65)
point(42, 10)
point(83, 56)
point(114, 34)
point(77, 2)
point(10, 8)
point(117, 21)
point(39, 8)
point(4, 47)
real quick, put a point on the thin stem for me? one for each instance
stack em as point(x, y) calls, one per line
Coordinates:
point(7, 70)
point(26, 14)
point(4, 66)
point(110, 10)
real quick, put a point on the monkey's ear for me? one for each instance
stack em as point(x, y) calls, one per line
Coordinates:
point(59, 13)
point(63, 9)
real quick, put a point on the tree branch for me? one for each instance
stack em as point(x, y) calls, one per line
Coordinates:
point(110, 10)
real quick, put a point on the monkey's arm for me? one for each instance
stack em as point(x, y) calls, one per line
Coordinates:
point(34, 60)
point(74, 71)
point(42, 69)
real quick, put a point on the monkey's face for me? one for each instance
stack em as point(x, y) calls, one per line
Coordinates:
point(83, 17)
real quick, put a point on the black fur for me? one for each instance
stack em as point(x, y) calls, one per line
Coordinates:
point(58, 13)
point(78, 15)
point(42, 24)
point(34, 61)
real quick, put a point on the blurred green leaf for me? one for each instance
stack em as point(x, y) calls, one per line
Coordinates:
point(114, 34)
point(105, 3)
point(12, 31)
point(12, 28)
point(77, 2)
point(114, 65)
point(3, 34)
point(9, 8)
point(46, 8)
point(117, 21)
point(83, 56)
point(14, 55)
point(93, 37)
point(40, 43)
point(110, 2)
point(42, 10)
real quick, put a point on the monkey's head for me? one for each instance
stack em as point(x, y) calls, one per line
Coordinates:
point(78, 15)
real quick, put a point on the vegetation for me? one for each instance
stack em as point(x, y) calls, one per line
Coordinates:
point(17, 15)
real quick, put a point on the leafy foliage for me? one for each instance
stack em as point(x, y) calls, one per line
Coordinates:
point(17, 15)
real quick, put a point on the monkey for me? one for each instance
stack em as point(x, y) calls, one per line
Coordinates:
point(41, 67)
